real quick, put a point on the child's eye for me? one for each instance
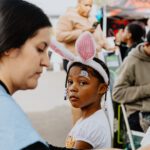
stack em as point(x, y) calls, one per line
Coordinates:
point(83, 83)
point(69, 82)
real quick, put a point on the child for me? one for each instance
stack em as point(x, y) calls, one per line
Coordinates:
point(87, 81)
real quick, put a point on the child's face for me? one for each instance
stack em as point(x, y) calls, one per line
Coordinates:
point(83, 89)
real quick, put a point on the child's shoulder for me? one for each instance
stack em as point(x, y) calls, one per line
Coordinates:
point(98, 118)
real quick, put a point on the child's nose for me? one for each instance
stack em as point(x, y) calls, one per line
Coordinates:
point(74, 87)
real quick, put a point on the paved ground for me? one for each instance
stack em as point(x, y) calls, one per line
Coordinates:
point(49, 113)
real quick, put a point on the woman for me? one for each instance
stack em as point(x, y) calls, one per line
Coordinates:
point(24, 38)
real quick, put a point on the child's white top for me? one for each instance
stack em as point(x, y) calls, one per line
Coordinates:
point(94, 130)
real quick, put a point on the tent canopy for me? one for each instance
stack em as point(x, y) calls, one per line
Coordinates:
point(130, 8)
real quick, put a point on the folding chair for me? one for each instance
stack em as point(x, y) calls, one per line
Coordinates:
point(135, 137)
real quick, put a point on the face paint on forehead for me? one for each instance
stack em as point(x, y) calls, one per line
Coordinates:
point(84, 73)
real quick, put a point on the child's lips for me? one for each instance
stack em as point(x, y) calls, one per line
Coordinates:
point(73, 98)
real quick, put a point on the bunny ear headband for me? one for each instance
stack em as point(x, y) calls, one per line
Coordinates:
point(85, 45)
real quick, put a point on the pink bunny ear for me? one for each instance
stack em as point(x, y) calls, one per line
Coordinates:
point(61, 50)
point(85, 45)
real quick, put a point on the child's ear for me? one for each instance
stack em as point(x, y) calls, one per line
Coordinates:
point(102, 88)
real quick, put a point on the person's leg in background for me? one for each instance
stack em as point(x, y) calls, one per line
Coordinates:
point(134, 122)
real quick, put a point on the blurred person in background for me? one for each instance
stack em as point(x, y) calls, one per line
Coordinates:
point(132, 86)
point(130, 37)
point(77, 20)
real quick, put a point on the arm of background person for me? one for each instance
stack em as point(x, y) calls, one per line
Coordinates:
point(101, 40)
point(65, 31)
point(124, 90)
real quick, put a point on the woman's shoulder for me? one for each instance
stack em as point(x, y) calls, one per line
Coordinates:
point(15, 125)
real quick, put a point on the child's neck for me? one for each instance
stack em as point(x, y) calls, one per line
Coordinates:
point(86, 112)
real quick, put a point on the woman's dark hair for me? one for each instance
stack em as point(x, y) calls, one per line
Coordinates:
point(19, 21)
point(95, 72)
point(137, 30)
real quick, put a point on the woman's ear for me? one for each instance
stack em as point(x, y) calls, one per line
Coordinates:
point(6, 53)
point(13, 52)
point(102, 88)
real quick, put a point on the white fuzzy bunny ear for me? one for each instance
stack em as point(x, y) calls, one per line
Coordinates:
point(85, 45)
point(61, 50)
